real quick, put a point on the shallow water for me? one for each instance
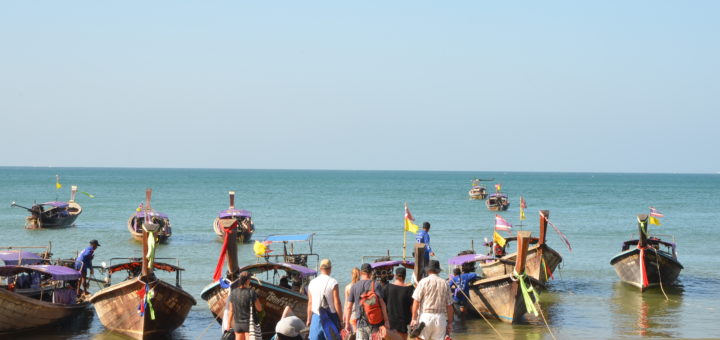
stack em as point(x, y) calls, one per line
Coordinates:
point(356, 213)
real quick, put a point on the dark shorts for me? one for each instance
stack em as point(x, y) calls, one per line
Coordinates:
point(241, 327)
point(84, 270)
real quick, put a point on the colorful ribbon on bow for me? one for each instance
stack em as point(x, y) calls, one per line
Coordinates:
point(151, 249)
point(223, 252)
point(529, 303)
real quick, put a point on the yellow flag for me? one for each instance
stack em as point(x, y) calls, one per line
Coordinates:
point(57, 182)
point(260, 249)
point(522, 214)
point(654, 221)
point(411, 227)
point(498, 239)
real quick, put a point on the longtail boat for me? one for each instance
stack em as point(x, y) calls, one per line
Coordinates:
point(53, 214)
point(143, 306)
point(510, 298)
point(497, 202)
point(541, 258)
point(246, 228)
point(148, 215)
point(647, 261)
point(478, 192)
point(278, 283)
point(36, 296)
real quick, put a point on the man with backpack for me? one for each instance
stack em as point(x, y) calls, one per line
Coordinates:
point(366, 297)
point(435, 298)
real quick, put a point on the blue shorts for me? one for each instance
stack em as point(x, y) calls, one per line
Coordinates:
point(84, 270)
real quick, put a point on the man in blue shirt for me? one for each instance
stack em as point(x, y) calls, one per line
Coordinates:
point(83, 263)
point(423, 236)
point(460, 287)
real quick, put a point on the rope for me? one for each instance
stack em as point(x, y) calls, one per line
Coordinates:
point(657, 262)
point(483, 316)
point(546, 323)
point(529, 304)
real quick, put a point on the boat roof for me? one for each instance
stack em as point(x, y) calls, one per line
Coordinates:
point(290, 238)
point(56, 204)
point(59, 273)
point(498, 194)
point(136, 264)
point(467, 258)
point(289, 267)
point(233, 213)
point(141, 214)
point(12, 257)
point(407, 264)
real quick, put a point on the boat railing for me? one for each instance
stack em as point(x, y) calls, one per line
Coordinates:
point(136, 259)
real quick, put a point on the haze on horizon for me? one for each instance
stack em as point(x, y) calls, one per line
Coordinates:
point(402, 85)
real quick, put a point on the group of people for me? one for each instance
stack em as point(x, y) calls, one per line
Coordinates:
point(374, 309)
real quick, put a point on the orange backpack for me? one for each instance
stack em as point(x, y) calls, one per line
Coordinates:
point(370, 303)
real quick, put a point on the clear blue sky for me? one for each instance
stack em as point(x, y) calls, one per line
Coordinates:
point(460, 85)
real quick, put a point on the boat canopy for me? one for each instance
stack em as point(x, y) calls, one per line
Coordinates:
point(467, 258)
point(289, 267)
point(12, 257)
point(233, 213)
point(59, 273)
point(137, 264)
point(406, 264)
point(141, 214)
point(498, 194)
point(289, 238)
point(57, 204)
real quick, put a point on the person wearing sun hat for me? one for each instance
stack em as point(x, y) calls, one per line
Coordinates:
point(435, 298)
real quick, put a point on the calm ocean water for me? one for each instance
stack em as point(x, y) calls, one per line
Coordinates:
point(356, 213)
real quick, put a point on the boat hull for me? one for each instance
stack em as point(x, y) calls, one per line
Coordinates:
point(501, 298)
point(274, 299)
point(51, 220)
point(541, 264)
point(18, 312)
point(117, 308)
point(162, 235)
point(658, 267)
point(244, 234)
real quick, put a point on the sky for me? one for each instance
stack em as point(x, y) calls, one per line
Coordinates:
point(604, 86)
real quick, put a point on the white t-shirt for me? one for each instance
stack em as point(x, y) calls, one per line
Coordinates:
point(316, 287)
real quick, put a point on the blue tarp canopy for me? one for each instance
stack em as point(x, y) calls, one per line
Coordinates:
point(289, 238)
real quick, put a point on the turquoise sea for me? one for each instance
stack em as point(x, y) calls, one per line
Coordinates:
point(356, 213)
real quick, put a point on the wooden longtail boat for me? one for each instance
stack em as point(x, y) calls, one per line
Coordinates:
point(135, 222)
point(37, 296)
point(497, 202)
point(271, 282)
point(244, 218)
point(163, 306)
point(53, 214)
point(478, 192)
point(644, 263)
point(502, 297)
point(541, 259)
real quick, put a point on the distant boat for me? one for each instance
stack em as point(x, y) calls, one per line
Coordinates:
point(136, 221)
point(478, 192)
point(122, 307)
point(501, 297)
point(497, 202)
point(279, 282)
point(647, 261)
point(246, 228)
point(53, 214)
point(37, 296)
point(541, 258)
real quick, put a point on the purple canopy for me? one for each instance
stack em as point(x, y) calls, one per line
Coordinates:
point(59, 273)
point(391, 263)
point(141, 214)
point(497, 194)
point(304, 271)
point(12, 257)
point(233, 213)
point(462, 259)
point(56, 204)
point(267, 266)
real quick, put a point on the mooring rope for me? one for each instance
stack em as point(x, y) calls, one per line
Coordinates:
point(483, 316)
point(657, 262)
